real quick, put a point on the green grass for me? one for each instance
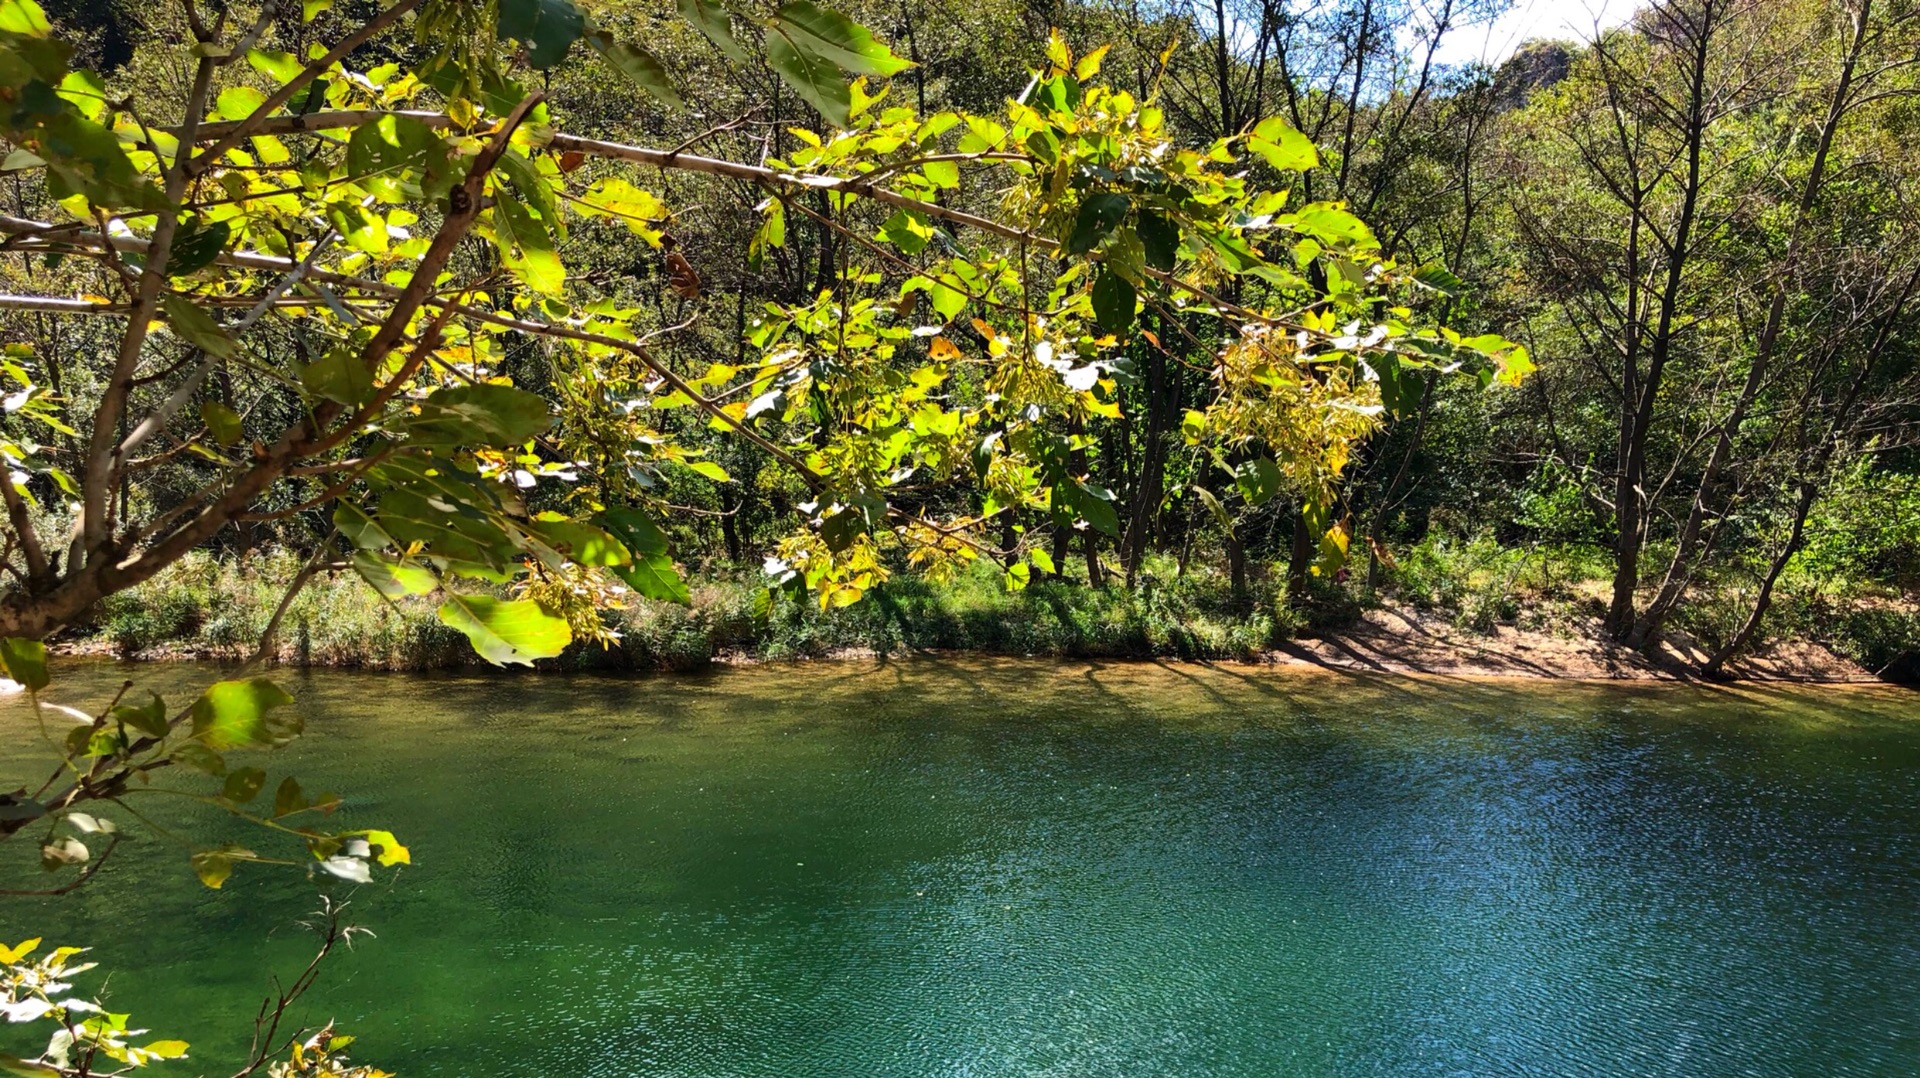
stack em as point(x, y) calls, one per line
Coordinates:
point(204, 607)
point(217, 609)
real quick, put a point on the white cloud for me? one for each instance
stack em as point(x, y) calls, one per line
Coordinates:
point(1531, 19)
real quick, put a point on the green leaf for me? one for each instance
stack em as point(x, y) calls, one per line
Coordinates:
point(1333, 550)
point(339, 376)
point(238, 102)
point(24, 17)
point(362, 229)
point(1096, 507)
point(149, 718)
point(635, 529)
point(281, 67)
point(83, 156)
point(288, 799)
point(942, 173)
point(1258, 480)
point(1042, 560)
point(1097, 218)
point(507, 631)
point(199, 757)
point(483, 414)
point(549, 28)
point(1017, 576)
point(244, 784)
point(392, 578)
point(467, 536)
point(640, 67)
point(711, 19)
point(771, 233)
point(710, 470)
point(1113, 301)
point(1440, 279)
point(195, 247)
point(1160, 238)
point(233, 714)
point(654, 576)
point(840, 530)
point(222, 422)
point(817, 81)
point(1234, 252)
point(534, 190)
point(1332, 224)
point(382, 153)
point(25, 661)
point(830, 36)
point(27, 1068)
point(526, 246)
point(87, 93)
point(197, 327)
point(908, 230)
point(1283, 147)
point(359, 528)
point(947, 300)
point(583, 544)
point(1059, 94)
point(612, 196)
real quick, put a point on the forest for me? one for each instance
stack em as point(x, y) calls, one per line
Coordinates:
point(1695, 226)
point(430, 333)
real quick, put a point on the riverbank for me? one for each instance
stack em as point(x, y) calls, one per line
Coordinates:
point(1407, 641)
point(214, 610)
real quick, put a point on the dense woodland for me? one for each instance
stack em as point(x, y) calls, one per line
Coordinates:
point(1697, 225)
point(348, 330)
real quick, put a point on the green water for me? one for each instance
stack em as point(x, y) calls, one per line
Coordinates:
point(995, 869)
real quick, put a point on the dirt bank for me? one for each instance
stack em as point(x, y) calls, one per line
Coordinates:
point(1384, 640)
point(1407, 641)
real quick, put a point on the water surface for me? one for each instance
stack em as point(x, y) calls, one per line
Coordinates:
point(1000, 869)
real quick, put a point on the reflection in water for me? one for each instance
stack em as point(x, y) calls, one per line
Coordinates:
point(988, 869)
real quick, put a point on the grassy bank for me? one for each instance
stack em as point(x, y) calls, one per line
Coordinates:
point(216, 609)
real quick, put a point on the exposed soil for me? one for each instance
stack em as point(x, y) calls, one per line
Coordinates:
point(1400, 640)
point(1397, 640)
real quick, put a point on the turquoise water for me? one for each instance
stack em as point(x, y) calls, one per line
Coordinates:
point(996, 869)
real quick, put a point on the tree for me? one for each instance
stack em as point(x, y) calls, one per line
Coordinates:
point(310, 285)
point(1699, 262)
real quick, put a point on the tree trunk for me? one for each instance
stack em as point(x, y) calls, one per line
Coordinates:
point(1299, 558)
point(1237, 572)
point(1150, 483)
point(1751, 627)
point(1680, 567)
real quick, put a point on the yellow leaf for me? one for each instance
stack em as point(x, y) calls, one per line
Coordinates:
point(1089, 65)
point(166, 1049)
point(11, 955)
point(391, 852)
point(1515, 368)
point(942, 348)
point(1057, 52)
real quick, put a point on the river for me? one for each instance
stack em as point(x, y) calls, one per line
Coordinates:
point(984, 869)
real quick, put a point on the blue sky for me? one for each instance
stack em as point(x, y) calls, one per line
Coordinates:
point(1534, 19)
